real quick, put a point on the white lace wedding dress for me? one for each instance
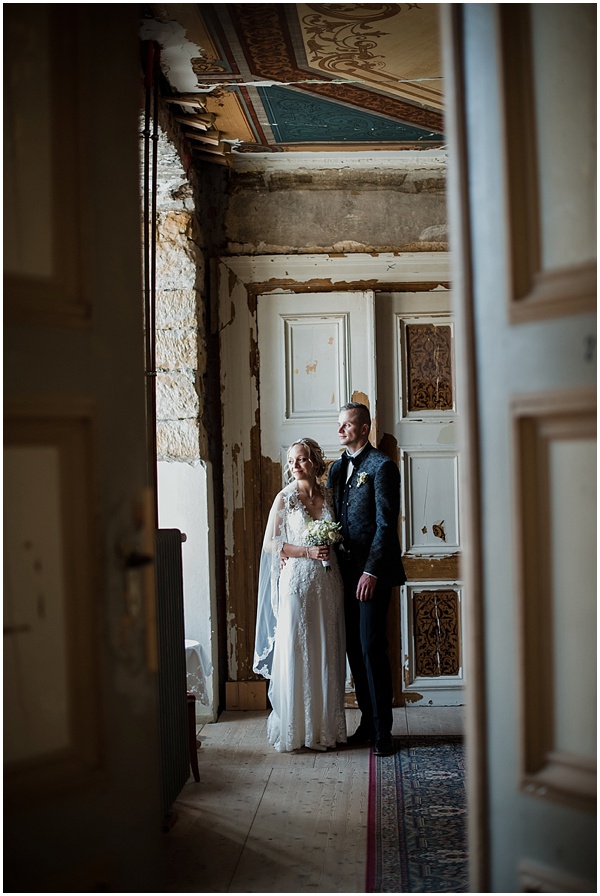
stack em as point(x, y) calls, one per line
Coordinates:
point(300, 636)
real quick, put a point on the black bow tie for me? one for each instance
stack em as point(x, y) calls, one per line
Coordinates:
point(354, 460)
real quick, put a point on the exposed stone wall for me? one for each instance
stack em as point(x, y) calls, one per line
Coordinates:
point(180, 344)
point(385, 209)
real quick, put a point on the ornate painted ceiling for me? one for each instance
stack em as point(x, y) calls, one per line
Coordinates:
point(262, 77)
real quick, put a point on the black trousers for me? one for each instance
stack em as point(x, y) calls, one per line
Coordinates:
point(367, 650)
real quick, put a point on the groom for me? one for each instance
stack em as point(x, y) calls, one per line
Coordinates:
point(366, 491)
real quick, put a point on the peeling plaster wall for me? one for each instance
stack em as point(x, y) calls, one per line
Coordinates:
point(322, 212)
point(394, 207)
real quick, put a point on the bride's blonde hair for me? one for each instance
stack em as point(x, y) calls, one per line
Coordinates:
point(315, 454)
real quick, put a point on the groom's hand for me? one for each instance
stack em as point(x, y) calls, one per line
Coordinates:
point(366, 587)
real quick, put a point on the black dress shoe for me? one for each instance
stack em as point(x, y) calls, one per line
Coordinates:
point(384, 745)
point(362, 735)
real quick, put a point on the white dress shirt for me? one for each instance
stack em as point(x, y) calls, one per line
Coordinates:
point(351, 457)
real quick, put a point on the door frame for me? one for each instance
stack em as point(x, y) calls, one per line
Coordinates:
point(470, 485)
point(241, 279)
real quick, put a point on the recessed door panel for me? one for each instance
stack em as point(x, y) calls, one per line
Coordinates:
point(316, 365)
point(431, 502)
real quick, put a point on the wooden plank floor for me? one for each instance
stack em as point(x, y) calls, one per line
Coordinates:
point(266, 822)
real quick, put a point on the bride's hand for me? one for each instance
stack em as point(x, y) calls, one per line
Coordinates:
point(320, 553)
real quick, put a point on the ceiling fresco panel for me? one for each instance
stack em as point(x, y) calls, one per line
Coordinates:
point(290, 77)
point(299, 118)
point(393, 48)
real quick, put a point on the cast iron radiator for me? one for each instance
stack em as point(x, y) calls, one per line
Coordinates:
point(172, 699)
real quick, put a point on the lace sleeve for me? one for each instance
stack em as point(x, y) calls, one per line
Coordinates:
point(267, 609)
point(275, 532)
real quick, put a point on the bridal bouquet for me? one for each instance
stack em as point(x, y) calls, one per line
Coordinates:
point(322, 533)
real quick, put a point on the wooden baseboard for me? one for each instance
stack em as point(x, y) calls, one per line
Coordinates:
point(243, 695)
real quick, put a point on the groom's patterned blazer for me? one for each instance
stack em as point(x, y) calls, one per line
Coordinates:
point(368, 507)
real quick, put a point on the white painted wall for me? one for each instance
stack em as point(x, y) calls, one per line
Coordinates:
point(183, 501)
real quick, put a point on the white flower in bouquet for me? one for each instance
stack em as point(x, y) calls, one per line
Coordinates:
point(322, 533)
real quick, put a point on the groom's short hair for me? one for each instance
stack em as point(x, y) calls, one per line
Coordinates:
point(364, 414)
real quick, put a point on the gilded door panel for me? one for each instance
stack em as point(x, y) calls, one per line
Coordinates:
point(428, 359)
point(432, 623)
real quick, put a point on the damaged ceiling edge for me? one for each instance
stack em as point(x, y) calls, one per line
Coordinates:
point(402, 159)
point(176, 54)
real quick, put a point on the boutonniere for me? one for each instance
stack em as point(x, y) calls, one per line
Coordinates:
point(361, 479)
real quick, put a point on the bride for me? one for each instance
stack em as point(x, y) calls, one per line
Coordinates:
point(300, 637)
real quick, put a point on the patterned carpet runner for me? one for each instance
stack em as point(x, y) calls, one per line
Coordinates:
point(417, 818)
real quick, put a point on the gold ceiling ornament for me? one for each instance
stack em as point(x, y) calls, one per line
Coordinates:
point(205, 65)
point(368, 12)
point(347, 45)
point(392, 49)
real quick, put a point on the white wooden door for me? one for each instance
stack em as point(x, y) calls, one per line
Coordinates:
point(418, 410)
point(317, 352)
point(81, 784)
point(523, 199)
